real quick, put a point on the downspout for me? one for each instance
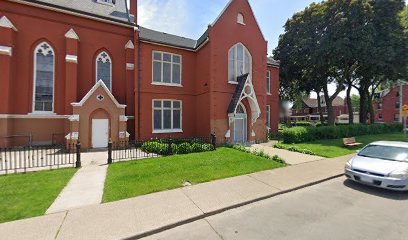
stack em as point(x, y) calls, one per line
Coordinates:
point(138, 87)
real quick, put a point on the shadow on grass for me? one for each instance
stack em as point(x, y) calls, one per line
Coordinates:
point(379, 192)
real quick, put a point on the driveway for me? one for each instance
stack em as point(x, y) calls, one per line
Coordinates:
point(337, 209)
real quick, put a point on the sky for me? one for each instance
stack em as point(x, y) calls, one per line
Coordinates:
point(190, 18)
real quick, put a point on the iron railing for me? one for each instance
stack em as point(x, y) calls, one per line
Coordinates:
point(36, 158)
point(143, 149)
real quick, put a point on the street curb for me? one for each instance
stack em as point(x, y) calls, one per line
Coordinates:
point(215, 212)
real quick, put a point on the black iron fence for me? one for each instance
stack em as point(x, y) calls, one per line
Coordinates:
point(36, 158)
point(136, 150)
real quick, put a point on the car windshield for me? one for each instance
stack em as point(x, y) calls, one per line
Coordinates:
point(385, 152)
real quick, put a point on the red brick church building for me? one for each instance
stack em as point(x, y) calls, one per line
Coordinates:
point(85, 69)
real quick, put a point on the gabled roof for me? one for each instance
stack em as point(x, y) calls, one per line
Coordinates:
point(273, 62)
point(150, 35)
point(116, 12)
point(100, 83)
point(312, 102)
point(237, 94)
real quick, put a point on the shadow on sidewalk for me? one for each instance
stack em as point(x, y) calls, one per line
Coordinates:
point(379, 192)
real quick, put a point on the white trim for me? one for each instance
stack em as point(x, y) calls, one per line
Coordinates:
point(108, 57)
point(175, 47)
point(129, 45)
point(71, 58)
point(123, 118)
point(172, 63)
point(168, 131)
point(34, 116)
point(6, 23)
point(71, 34)
point(93, 89)
point(172, 109)
point(166, 84)
point(268, 79)
point(123, 24)
point(222, 12)
point(252, 99)
point(268, 116)
point(241, 19)
point(74, 118)
point(130, 66)
point(5, 50)
point(35, 79)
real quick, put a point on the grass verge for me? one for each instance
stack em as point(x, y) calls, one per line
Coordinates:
point(334, 147)
point(135, 178)
point(31, 194)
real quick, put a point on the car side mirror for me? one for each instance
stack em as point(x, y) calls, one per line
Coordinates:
point(357, 151)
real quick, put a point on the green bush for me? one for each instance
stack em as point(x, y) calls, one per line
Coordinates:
point(183, 148)
point(307, 134)
point(294, 149)
point(155, 147)
point(302, 124)
point(260, 153)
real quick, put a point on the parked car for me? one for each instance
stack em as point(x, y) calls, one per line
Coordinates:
point(381, 164)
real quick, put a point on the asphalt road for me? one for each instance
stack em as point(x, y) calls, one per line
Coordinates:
point(337, 209)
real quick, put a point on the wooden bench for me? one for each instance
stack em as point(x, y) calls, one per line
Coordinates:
point(350, 142)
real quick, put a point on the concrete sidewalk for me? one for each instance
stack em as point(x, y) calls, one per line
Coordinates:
point(292, 158)
point(142, 216)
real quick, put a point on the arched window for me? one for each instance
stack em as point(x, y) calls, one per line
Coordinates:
point(240, 19)
point(44, 71)
point(104, 69)
point(239, 62)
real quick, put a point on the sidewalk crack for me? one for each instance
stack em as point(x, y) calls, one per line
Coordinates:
point(185, 194)
point(59, 228)
point(256, 179)
point(212, 227)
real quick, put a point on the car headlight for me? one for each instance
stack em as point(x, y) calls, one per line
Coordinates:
point(348, 166)
point(399, 174)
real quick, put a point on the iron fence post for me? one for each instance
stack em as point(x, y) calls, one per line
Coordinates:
point(169, 152)
point(78, 155)
point(110, 152)
point(214, 140)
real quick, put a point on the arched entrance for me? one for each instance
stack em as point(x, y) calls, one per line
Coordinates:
point(240, 124)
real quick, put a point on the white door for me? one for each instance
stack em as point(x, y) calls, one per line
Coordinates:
point(100, 133)
point(240, 130)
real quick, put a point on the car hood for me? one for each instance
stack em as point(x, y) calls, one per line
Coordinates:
point(376, 165)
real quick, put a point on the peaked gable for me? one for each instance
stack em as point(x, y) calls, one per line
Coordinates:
point(244, 8)
point(99, 84)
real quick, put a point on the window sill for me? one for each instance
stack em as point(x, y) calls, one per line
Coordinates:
point(235, 83)
point(168, 131)
point(167, 84)
point(269, 94)
point(43, 113)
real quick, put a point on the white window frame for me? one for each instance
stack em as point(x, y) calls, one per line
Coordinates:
point(172, 130)
point(161, 83)
point(106, 2)
point(241, 19)
point(236, 72)
point(35, 80)
point(268, 82)
point(268, 116)
point(96, 69)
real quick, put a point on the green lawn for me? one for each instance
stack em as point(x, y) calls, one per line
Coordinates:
point(334, 147)
point(31, 194)
point(135, 178)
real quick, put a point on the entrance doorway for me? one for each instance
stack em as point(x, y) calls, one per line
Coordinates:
point(240, 125)
point(100, 133)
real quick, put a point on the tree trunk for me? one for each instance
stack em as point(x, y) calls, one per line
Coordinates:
point(319, 108)
point(363, 105)
point(370, 107)
point(350, 104)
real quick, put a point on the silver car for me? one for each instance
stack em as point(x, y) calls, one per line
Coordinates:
point(381, 164)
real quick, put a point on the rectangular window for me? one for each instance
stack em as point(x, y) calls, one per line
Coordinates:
point(396, 117)
point(268, 116)
point(167, 69)
point(167, 116)
point(397, 105)
point(268, 82)
point(380, 117)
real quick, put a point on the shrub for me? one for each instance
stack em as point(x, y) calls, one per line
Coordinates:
point(183, 148)
point(302, 124)
point(306, 134)
point(155, 147)
point(294, 149)
point(260, 153)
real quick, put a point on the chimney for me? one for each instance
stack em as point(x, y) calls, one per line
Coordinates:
point(133, 10)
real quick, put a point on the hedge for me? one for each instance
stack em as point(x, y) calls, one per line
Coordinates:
point(306, 134)
point(294, 149)
point(161, 148)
